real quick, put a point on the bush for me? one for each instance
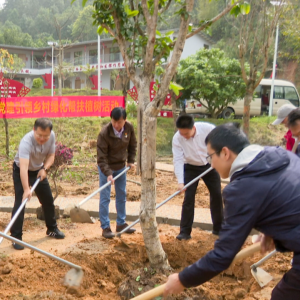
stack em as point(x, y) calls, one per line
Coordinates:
point(63, 157)
point(37, 83)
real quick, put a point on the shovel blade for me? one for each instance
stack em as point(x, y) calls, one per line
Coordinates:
point(73, 277)
point(79, 215)
point(261, 276)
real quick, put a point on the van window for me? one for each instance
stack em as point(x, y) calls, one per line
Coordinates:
point(291, 95)
point(278, 92)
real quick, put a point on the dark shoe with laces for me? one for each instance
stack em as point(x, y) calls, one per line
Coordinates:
point(17, 246)
point(183, 236)
point(107, 233)
point(122, 227)
point(56, 233)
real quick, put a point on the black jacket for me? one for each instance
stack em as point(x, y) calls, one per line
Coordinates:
point(264, 195)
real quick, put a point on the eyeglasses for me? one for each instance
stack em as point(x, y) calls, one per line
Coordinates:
point(40, 136)
point(209, 157)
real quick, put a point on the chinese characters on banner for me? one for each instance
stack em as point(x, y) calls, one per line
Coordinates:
point(56, 107)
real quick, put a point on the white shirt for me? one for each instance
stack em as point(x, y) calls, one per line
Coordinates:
point(191, 151)
point(117, 133)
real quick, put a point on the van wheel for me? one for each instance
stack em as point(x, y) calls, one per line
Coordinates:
point(227, 113)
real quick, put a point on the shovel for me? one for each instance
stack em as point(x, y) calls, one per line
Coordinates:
point(165, 201)
point(73, 276)
point(261, 276)
point(160, 289)
point(79, 215)
point(12, 221)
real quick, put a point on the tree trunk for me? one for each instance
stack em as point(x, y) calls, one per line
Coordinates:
point(174, 107)
point(246, 116)
point(155, 252)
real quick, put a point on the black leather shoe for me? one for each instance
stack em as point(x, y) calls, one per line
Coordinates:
point(215, 232)
point(17, 246)
point(183, 236)
point(56, 233)
point(107, 233)
point(121, 227)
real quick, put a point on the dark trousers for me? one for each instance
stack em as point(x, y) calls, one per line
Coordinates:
point(213, 183)
point(44, 195)
point(288, 287)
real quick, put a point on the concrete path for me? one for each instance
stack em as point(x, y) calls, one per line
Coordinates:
point(168, 214)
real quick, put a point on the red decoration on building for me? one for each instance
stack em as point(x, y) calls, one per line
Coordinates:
point(134, 94)
point(13, 88)
point(48, 79)
point(94, 80)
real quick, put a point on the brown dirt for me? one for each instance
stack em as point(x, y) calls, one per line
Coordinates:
point(113, 271)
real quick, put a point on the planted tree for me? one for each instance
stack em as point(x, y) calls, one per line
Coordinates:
point(212, 79)
point(134, 26)
point(6, 61)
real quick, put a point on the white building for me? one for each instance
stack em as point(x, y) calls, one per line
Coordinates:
point(38, 61)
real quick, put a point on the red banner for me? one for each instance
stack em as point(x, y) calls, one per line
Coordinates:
point(56, 107)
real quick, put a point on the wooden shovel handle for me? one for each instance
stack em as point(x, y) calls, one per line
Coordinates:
point(247, 252)
point(151, 294)
point(160, 289)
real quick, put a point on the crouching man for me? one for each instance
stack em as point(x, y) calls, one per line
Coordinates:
point(263, 193)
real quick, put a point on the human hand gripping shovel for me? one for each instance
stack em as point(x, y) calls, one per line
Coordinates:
point(160, 289)
point(12, 221)
point(79, 215)
point(162, 203)
point(73, 276)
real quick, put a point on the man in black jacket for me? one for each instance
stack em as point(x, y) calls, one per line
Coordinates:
point(263, 193)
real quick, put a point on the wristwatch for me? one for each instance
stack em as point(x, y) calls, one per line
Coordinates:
point(45, 169)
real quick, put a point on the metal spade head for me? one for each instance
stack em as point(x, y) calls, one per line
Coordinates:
point(261, 276)
point(79, 215)
point(73, 277)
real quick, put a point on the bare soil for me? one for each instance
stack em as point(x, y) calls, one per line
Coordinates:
point(111, 270)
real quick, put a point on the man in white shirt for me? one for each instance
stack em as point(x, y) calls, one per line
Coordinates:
point(189, 157)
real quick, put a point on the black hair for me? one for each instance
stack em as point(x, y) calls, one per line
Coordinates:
point(43, 123)
point(117, 113)
point(227, 135)
point(185, 121)
point(293, 117)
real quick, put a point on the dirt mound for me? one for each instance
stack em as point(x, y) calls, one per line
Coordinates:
point(113, 271)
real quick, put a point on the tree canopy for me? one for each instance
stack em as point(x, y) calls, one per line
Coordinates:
point(211, 78)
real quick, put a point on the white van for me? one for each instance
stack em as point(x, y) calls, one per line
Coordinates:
point(284, 93)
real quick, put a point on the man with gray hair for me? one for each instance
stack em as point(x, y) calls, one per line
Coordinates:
point(282, 118)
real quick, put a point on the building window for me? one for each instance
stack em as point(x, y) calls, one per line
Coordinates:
point(78, 58)
point(114, 54)
point(93, 56)
point(205, 46)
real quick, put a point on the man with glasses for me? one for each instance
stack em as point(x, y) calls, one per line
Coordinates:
point(190, 160)
point(34, 158)
point(263, 193)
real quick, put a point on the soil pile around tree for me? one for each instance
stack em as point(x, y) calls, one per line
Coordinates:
point(114, 271)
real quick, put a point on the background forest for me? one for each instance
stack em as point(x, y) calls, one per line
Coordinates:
point(32, 23)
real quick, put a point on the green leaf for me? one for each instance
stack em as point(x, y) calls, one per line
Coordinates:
point(140, 289)
point(158, 33)
point(130, 13)
point(175, 88)
point(138, 278)
point(235, 11)
point(245, 8)
point(84, 2)
point(190, 27)
point(73, 1)
point(169, 33)
point(145, 269)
